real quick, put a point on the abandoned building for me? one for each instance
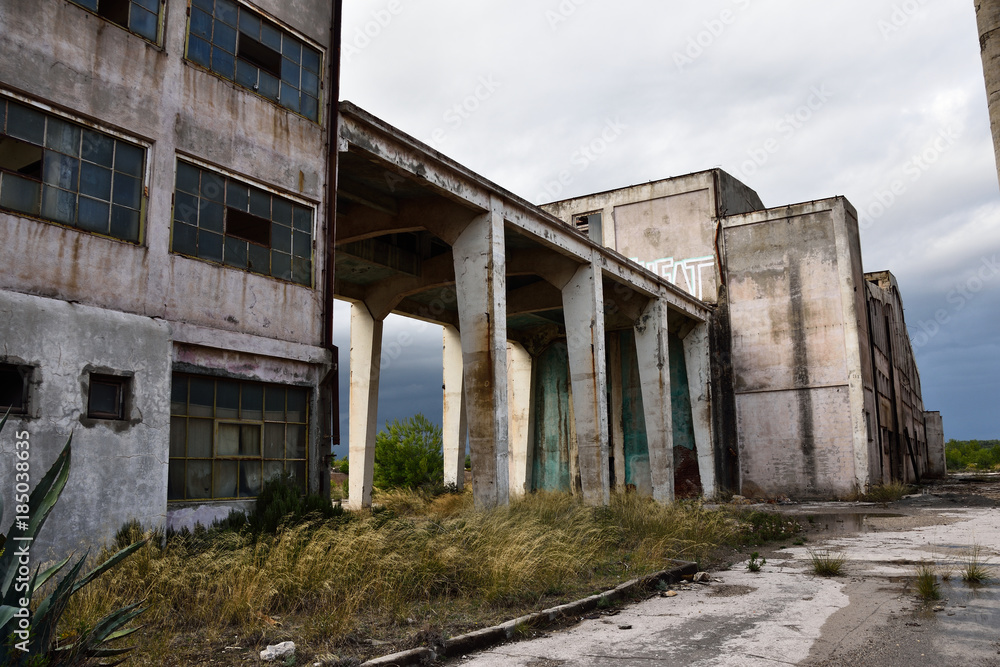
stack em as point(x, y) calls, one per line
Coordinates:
point(173, 201)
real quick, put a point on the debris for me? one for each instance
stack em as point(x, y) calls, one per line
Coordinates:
point(702, 578)
point(624, 627)
point(939, 607)
point(278, 651)
point(668, 594)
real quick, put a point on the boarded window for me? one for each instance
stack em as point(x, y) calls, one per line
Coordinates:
point(68, 173)
point(221, 219)
point(589, 224)
point(242, 45)
point(13, 389)
point(227, 436)
point(139, 16)
point(108, 396)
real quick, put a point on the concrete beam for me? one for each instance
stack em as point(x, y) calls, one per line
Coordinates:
point(383, 297)
point(366, 352)
point(535, 298)
point(553, 267)
point(652, 348)
point(454, 425)
point(520, 395)
point(583, 307)
point(697, 358)
point(481, 289)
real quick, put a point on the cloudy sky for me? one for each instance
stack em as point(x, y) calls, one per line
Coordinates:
point(882, 101)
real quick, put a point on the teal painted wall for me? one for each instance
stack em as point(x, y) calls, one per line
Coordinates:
point(635, 445)
point(680, 395)
point(550, 469)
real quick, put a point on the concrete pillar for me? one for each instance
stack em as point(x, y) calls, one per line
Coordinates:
point(520, 395)
point(988, 19)
point(653, 350)
point(583, 309)
point(697, 358)
point(934, 433)
point(366, 352)
point(453, 422)
point(481, 285)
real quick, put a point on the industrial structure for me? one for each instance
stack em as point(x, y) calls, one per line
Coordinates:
point(182, 197)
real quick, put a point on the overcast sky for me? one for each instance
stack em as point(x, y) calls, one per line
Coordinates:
point(881, 101)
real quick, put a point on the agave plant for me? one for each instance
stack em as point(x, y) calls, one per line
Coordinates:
point(26, 636)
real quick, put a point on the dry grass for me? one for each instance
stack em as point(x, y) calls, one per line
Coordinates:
point(882, 493)
point(327, 584)
point(927, 583)
point(826, 564)
point(975, 570)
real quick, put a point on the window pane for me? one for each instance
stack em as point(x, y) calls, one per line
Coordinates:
point(274, 404)
point(199, 442)
point(61, 170)
point(124, 223)
point(296, 442)
point(297, 405)
point(185, 240)
point(187, 177)
point(235, 253)
point(227, 400)
point(298, 472)
point(310, 59)
point(252, 402)
point(59, 205)
point(93, 215)
point(199, 51)
point(270, 36)
point(127, 191)
point(201, 23)
point(226, 10)
point(310, 107)
point(281, 265)
point(105, 397)
point(274, 441)
point(246, 74)
point(98, 148)
point(210, 246)
point(143, 22)
point(175, 485)
point(128, 159)
point(202, 397)
point(212, 216)
point(281, 238)
point(178, 395)
point(3, 115)
point(95, 181)
point(228, 443)
point(301, 244)
point(249, 24)
point(303, 219)
point(207, 5)
point(301, 271)
point(186, 208)
point(199, 479)
point(25, 123)
point(269, 86)
point(281, 211)
point(291, 48)
point(237, 195)
point(259, 259)
point(290, 72)
point(250, 440)
point(226, 477)
point(151, 5)
point(310, 83)
point(224, 37)
point(62, 136)
point(250, 478)
point(260, 203)
point(223, 62)
point(212, 186)
point(20, 194)
point(178, 436)
point(289, 97)
point(273, 469)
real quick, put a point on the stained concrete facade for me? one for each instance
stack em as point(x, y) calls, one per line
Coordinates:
point(988, 20)
point(793, 403)
point(81, 303)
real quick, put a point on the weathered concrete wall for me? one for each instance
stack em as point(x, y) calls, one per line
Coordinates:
point(118, 469)
point(554, 452)
point(936, 466)
point(796, 359)
point(988, 19)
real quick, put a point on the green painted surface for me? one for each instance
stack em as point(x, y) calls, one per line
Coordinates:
point(680, 395)
point(636, 447)
point(550, 465)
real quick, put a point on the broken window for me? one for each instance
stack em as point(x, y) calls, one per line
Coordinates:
point(69, 173)
point(222, 219)
point(13, 389)
point(139, 16)
point(107, 396)
point(241, 45)
point(227, 436)
point(589, 224)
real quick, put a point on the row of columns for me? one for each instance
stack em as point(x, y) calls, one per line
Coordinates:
point(488, 380)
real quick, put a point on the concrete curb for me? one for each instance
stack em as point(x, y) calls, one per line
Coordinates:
point(498, 634)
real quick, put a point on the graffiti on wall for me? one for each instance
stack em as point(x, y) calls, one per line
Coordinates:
point(688, 274)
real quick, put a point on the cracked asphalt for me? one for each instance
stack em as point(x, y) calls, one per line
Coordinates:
point(785, 614)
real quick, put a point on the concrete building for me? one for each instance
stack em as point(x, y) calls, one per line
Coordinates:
point(988, 21)
point(164, 185)
point(799, 334)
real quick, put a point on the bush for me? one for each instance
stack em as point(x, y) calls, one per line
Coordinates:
point(281, 501)
point(972, 454)
point(408, 455)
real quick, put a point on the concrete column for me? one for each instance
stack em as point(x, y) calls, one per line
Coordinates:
point(366, 352)
point(481, 284)
point(454, 426)
point(697, 358)
point(988, 19)
point(583, 309)
point(520, 395)
point(653, 349)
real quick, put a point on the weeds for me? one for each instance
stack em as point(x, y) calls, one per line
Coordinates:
point(927, 583)
point(975, 569)
point(826, 564)
point(756, 562)
point(882, 493)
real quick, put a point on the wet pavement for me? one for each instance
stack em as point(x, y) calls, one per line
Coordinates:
point(870, 615)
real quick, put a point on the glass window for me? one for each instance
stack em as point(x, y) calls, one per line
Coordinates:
point(70, 174)
point(228, 436)
point(222, 219)
point(14, 389)
point(139, 16)
point(108, 396)
point(240, 44)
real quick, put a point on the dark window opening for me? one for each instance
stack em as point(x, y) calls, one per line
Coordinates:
point(255, 53)
point(20, 157)
point(13, 389)
point(107, 397)
point(115, 11)
point(248, 227)
point(589, 224)
point(141, 17)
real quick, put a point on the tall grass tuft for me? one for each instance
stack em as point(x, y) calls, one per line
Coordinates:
point(927, 583)
point(975, 569)
point(826, 564)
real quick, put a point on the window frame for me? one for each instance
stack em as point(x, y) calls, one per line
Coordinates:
point(160, 13)
point(84, 125)
point(215, 459)
point(206, 61)
point(230, 176)
point(123, 383)
point(25, 373)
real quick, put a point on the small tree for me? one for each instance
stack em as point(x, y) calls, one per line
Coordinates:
point(408, 454)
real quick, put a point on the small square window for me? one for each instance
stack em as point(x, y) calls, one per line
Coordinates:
point(13, 389)
point(108, 396)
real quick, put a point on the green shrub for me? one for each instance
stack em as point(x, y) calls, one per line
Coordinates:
point(408, 455)
point(281, 501)
point(972, 454)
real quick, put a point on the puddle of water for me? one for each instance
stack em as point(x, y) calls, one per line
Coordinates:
point(841, 523)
